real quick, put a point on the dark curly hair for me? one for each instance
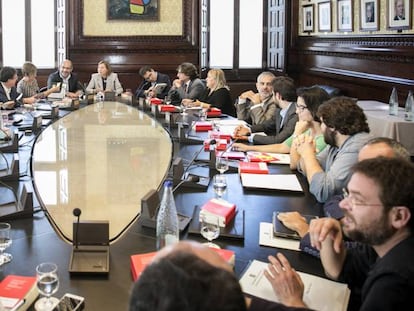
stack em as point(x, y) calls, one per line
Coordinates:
point(189, 70)
point(344, 115)
point(182, 281)
point(395, 179)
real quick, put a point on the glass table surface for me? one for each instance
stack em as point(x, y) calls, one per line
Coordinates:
point(102, 159)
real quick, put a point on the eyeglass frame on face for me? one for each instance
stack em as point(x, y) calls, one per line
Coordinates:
point(347, 196)
point(301, 108)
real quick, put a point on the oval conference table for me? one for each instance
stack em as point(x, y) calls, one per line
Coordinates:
point(102, 159)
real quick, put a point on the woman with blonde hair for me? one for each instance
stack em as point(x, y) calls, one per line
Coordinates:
point(216, 95)
point(105, 80)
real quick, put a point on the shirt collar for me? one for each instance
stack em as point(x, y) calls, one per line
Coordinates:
point(284, 111)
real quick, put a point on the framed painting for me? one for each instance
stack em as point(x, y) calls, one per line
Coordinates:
point(324, 12)
point(399, 14)
point(369, 13)
point(344, 15)
point(133, 9)
point(308, 18)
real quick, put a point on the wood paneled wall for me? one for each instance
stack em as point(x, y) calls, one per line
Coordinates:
point(364, 66)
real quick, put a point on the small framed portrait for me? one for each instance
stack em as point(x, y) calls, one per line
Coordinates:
point(307, 18)
point(399, 14)
point(324, 16)
point(345, 21)
point(369, 15)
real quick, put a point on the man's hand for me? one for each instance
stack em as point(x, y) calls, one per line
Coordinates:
point(305, 145)
point(295, 222)
point(325, 229)
point(9, 104)
point(286, 282)
point(176, 83)
point(241, 147)
point(252, 96)
point(241, 131)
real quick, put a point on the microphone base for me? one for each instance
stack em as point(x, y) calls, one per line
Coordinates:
point(201, 184)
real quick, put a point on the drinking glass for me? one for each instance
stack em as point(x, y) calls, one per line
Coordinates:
point(219, 185)
point(210, 229)
point(47, 284)
point(183, 109)
point(5, 242)
point(222, 164)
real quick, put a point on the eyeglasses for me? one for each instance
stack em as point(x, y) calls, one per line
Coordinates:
point(355, 202)
point(301, 108)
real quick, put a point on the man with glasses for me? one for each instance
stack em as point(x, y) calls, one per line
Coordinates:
point(282, 124)
point(66, 79)
point(256, 108)
point(375, 147)
point(345, 129)
point(378, 212)
point(152, 78)
point(9, 97)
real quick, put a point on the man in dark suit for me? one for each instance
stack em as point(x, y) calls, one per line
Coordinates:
point(152, 78)
point(399, 10)
point(67, 79)
point(8, 93)
point(282, 124)
point(188, 85)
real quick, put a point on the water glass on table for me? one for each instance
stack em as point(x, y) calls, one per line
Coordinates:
point(219, 185)
point(5, 242)
point(47, 284)
point(210, 229)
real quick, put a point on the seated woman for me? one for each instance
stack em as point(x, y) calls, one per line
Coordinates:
point(308, 101)
point(105, 80)
point(216, 95)
point(28, 85)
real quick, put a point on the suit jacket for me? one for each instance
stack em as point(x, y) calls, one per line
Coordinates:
point(13, 94)
point(74, 84)
point(276, 132)
point(195, 91)
point(112, 83)
point(145, 85)
point(256, 115)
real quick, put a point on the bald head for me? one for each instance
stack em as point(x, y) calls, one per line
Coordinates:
point(201, 251)
point(383, 147)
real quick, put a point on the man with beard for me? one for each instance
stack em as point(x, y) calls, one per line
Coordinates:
point(255, 108)
point(378, 208)
point(282, 124)
point(345, 129)
point(376, 147)
point(66, 78)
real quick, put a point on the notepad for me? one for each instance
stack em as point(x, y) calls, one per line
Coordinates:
point(288, 182)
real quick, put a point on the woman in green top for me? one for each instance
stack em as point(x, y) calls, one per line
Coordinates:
point(308, 101)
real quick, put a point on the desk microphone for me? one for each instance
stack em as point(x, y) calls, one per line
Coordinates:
point(194, 158)
point(77, 212)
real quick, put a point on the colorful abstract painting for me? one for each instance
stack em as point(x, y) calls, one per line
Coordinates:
point(133, 9)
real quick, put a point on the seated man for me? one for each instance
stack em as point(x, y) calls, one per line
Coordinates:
point(255, 108)
point(8, 92)
point(345, 129)
point(67, 79)
point(378, 208)
point(376, 147)
point(190, 276)
point(188, 85)
point(283, 122)
point(151, 78)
